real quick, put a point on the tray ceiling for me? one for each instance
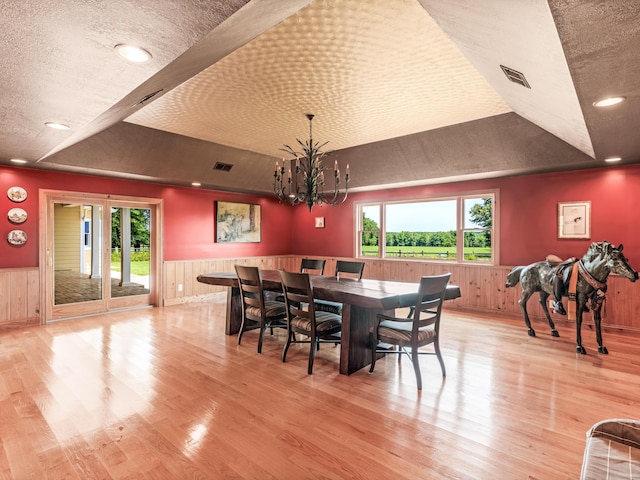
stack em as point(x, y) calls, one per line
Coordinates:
point(415, 84)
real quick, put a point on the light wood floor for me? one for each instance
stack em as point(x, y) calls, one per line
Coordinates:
point(163, 394)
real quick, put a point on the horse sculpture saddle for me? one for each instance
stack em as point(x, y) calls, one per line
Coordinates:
point(560, 266)
point(566, 272)
point(554, 260)
point(565, 281)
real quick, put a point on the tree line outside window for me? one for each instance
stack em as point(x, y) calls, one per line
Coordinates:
point(456, 228)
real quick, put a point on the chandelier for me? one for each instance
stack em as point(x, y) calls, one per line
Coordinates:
point(308, 182)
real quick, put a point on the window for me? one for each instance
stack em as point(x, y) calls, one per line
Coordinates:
point(370, 231)
point(457, 228)
point(86, 235)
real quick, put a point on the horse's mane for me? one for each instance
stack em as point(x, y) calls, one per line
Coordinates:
point(598, 249)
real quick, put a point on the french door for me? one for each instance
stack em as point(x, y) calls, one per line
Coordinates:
point(100, 253)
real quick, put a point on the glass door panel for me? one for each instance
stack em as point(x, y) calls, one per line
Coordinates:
point(77, 253)
point(130, 251)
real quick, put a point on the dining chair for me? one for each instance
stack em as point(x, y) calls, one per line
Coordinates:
point(612, 450)
point(257, 313)
point(344, 269)
point(312, 265)
point(304, 319)
point(419, 329)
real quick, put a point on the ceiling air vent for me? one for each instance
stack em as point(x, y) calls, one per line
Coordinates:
point(222, 167)
point(515, 76)
point(147, 97)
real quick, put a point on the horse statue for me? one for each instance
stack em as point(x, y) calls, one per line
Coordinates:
point(601, 259)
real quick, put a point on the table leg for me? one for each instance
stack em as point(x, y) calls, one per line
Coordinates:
point(355, 352)
point(234, 311)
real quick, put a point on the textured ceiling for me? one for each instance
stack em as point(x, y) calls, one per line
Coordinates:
point(406, 91)
point(369, 71)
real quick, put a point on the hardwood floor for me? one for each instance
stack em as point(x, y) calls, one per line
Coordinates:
point(163, 394)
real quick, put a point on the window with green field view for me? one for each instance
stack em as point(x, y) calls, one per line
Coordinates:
point(458, 229)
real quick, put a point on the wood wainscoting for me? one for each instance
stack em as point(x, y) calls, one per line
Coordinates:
point(482, 286)
point(19, 297)
point(483, 290)
point(181, 285)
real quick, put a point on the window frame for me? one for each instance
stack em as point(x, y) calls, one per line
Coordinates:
point(460, 226)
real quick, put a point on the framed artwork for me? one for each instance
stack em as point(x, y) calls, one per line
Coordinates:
point(319, 222)
point(237, 222)
point(574, 220)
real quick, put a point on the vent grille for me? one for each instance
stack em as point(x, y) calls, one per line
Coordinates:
point(222, 167)
point(147, 97)
point(515, 76)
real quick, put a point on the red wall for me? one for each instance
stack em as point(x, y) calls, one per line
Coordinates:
point(528, 214)
point(188, 216)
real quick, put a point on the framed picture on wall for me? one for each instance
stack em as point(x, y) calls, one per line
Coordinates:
point(237, 222)
point(574, 220)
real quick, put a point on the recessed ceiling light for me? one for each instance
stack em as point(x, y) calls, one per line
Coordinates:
point(196, 184)
point(612, 159)
point(132, 53)
point(18, 160)
point(607, 102)
point(57, 126)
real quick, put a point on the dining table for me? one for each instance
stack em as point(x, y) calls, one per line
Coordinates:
point(361, 300)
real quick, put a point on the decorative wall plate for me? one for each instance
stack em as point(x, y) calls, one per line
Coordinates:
point(17, 237)
point(17, 194)
point(17, 215)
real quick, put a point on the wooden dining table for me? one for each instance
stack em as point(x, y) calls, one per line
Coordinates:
point(361, 301)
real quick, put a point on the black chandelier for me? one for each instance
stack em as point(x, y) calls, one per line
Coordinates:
point(307, 184)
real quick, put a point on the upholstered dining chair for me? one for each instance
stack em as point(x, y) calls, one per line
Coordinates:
point(612, 451)
point(304, 319)
point(419, 329)
point(344, 269)
point(257, 313)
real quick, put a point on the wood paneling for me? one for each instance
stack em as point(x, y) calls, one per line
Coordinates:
point(482, 286)
point(19, 297)
point(181, 285)
point(483, 290)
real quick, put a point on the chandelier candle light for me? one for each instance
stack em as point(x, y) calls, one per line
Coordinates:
point(309, 176)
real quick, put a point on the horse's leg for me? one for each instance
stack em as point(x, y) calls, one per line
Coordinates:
point(523, 306)
point(544, 296)
point(580, 303)
point(596, 320)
